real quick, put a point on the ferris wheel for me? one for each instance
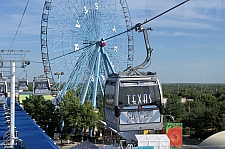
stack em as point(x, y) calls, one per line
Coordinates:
point(75, 53)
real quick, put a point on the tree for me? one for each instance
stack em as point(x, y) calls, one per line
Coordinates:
point(221, 116)
point(175, 107)
point(69, 109)
point(207, 112)
point(30, 86)
point(76, 115)
point(42, 111)
point(89, 116)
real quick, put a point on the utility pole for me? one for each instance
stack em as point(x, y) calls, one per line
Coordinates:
point(8, 59)
point(177, 84)
point(201, 81)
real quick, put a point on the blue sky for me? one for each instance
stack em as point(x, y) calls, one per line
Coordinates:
point(186, 41)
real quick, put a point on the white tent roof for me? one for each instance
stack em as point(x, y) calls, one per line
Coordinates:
point(156, 140)
point(152, 137)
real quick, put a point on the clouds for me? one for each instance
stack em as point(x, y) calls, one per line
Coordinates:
point(187, 39)
point(193, 14)
point(28, 36)
point(11, 14)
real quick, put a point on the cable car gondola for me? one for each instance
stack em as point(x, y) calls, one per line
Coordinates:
point(133, 99)
point(23, 84)
point(3, 86)
point(1, 75)
point(41, 86)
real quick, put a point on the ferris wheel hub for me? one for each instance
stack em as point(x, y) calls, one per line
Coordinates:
point(103, 42)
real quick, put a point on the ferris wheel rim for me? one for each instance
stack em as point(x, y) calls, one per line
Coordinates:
point(44, 37)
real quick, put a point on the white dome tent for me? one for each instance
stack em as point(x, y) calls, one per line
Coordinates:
point(216, 141)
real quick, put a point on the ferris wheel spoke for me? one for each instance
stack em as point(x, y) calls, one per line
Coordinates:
point(82, 66)
point(64, 55)
point(76, 70)
point(90, 77)
point(65, 64)
point(112, 29)
point(114, 60)
point(84, 25)
point(79, 36)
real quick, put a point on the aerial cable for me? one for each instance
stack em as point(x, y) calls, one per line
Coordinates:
point(35, 62)
point(88, 46)
point(146, 21)
point(24, 70)
point(19, 25)
point(134, 27)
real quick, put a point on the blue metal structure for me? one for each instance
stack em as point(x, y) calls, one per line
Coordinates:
point(29, 134)
point(72, 42)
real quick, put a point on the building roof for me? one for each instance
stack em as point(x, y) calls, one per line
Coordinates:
point(32, 135)
point(216, 141)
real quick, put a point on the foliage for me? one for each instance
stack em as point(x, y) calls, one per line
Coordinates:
point(68, 137)
point(30, 86)
point(42, 111)
point(174, 107)
point(76, 115)
point(204, 114)
point(70, 112)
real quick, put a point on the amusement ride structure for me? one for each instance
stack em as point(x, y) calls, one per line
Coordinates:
point(82, 42)
point(88, 46)
point(72, 43)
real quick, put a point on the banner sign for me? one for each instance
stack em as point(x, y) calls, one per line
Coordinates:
point(174, 133)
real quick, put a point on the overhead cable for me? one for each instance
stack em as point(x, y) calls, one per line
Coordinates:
point(19, 24)
point(146, 21)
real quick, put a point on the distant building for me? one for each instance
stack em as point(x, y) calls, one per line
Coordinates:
point(22, 96)
point(165, 100)
point(183, 100)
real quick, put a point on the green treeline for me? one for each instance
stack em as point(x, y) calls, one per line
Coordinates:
point(203, 111)
point(66, 118)
point(200, 107)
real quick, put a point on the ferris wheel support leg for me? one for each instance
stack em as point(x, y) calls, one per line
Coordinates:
point(89, 78)
point(101, 89)
point(107, 61)
point(94, 91)
point(78, 67)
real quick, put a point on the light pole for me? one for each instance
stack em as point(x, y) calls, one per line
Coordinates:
point(201, 80)
point(59, 74)
point(189, 100)
point(62, 124)
point(177, 84)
